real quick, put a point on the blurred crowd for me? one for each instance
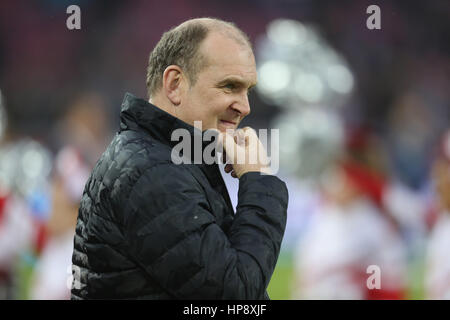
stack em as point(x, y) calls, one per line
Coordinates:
point(367, 164)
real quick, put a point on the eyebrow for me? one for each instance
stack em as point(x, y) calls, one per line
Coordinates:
point(237, 81)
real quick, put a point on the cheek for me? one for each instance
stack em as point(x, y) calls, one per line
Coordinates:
point(212, 104)
point(220, 103)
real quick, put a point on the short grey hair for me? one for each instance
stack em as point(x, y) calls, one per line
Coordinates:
point(180, 46)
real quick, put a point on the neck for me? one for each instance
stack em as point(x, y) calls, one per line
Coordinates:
point(164, 104)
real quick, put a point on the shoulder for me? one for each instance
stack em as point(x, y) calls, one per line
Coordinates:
point(128, 156)
point(132, 157)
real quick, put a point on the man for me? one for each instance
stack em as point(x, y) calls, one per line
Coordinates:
point(149, 228)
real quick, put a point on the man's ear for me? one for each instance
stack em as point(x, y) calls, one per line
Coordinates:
point(173, 82)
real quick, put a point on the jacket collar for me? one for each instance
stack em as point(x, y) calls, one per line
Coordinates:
point(138, 114)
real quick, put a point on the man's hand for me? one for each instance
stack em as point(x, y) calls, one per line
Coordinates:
point(244, 152)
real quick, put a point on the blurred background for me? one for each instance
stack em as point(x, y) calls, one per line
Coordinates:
point(362, 118)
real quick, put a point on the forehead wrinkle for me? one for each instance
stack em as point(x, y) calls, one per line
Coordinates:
point(232, 72)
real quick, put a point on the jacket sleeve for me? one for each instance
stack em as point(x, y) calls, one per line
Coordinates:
point(172, 234)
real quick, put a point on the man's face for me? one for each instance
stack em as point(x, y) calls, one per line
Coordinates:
point(219, 97)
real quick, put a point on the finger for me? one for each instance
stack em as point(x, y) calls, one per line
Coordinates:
point(229, 146)
point(221, 137)
point(240, 134)
point(248, 130)
point(249, 135)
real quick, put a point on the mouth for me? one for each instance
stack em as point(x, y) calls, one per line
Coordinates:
point(228, 124)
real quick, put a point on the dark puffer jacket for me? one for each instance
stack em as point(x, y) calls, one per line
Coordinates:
point(150, 229)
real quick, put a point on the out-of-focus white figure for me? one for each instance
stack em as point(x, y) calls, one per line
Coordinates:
point(53, 269)
point(17, 233)
point(437, 280)
point(344, 238)
point(437, 273)
point(52, 272)
point(24, 167)
point(348, 234)
point(82, 133)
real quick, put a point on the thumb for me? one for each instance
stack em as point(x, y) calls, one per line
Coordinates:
point(229, 146)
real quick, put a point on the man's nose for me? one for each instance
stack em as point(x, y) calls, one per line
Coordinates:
point(242, 106)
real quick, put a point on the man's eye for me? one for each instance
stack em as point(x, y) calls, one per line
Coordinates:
point(230, 86)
